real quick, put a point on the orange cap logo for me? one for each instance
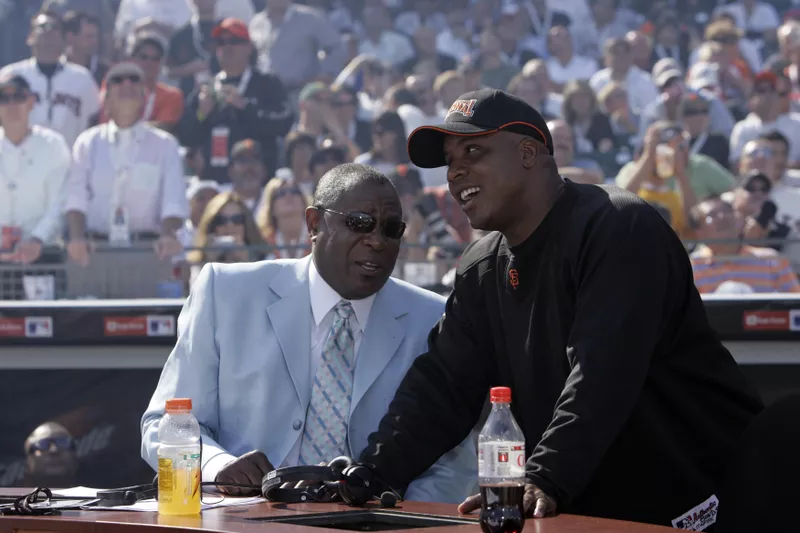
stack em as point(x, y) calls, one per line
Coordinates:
point(464, 107)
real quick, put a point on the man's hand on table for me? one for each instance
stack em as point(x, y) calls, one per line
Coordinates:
point(249, 469)
point(536, 503)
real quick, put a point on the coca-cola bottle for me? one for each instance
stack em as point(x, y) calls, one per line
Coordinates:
point(501, 467)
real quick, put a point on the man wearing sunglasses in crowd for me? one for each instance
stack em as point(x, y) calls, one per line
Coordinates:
point(67, 97)
point(51, 457)
point(238, 103)
point(293, 362)
point(581, 300)
point(126, 184)
point(34, 162)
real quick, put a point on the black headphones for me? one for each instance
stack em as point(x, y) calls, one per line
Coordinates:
point(127, 495)
point(354, 483)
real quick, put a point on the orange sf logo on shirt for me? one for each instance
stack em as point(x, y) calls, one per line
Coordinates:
point(513, 278)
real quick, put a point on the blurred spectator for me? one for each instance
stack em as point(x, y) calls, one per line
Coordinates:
point(321, 162)
point(82, 36)
point(668, 175)
point(563, 64)
point(426, 111)
point(422, 14)
point(736, 62)
point(282, 220)
point(579, 170)
point(496, 71)
point(380, 40)
point(543, 17)
point(319, 119)
point(591, 127)
point(388, 143)
point(290, 38)
point(427, 58)
point(764, 116)
point(641, 49)
point(238, 104)
point(66, 95)
point(780, 157)
point(618, 56)
point(517, 47)
point(34, 163)
point(344, 102)
point(51, 457)
point(759, 20)
point(224, 234)
point(447, 87)
point(15, 29)
point(789, 41)
point(723, 257)
point(471, 71)
point(456, 40)
point(613, 101)
point(608, 23)
point(191, 60)
point(546, 102)
point(126, 183)
point(165, 16)
point(247, 172)
point(694, 112)
point(198, 194)
point(164, 104)
point(670, 41)
point(298, 149)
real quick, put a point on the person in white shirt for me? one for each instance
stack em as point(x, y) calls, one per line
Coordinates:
point(620, 68)
point(126, 183)
point(564, 65)
point(34, 162)
point(67, 97)
point(381, 41)
point(764, 116)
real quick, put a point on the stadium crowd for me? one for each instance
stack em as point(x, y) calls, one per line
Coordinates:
point(201, 127)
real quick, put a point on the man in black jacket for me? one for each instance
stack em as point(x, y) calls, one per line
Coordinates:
point(583, 302)
point(239, 103)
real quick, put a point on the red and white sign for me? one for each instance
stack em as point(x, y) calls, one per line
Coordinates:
point(125, 326)
point(766, 321)
point(12, 327)
point(39, 326)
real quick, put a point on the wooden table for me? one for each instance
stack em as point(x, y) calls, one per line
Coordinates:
point(235, 520)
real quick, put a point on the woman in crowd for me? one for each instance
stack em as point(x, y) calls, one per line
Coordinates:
point(281, 220)
point(226, 234)
point(591, 127)
point(299, 147)
point(388, 143)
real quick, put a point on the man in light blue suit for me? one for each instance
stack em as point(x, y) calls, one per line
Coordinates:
point(293, 362)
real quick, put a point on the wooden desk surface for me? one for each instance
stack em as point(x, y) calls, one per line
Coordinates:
point(235, 520)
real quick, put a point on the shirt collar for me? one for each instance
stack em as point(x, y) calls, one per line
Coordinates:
point(114, 130)
point(324, 298)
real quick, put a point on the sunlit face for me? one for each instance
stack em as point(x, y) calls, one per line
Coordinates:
point(229, 222)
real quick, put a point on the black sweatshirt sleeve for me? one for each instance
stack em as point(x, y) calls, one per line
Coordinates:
point(269, 115)
point(440, 399)
point(629, 277)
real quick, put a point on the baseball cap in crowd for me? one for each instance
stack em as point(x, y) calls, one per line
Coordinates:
point(196, 186)
point(125, 69)
point(765, 77)
point(13, 83)
point(668, 76)
point(704, 76)
point(477, 113)
point(247, 148)
point(695, 103)
point(663, 65)
point(139, 39)
point(231, 26)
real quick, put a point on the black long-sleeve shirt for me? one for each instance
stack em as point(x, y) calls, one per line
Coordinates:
point(266, 116)
point(630, 405)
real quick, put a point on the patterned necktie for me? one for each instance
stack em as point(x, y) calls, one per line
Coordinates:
point(325, 435)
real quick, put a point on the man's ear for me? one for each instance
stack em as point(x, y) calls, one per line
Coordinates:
point(313, 221)
point(529, 152)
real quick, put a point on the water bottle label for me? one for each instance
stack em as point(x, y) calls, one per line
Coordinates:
point(501, 459)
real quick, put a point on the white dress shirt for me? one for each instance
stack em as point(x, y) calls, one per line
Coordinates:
point(151, 186)
point(32, 176)
point(323, 301)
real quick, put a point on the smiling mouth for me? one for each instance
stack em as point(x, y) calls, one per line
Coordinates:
point(467, 195)
point(369, 267)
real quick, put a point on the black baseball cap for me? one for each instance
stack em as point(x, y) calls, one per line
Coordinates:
point(14, 83)
point(476, 113)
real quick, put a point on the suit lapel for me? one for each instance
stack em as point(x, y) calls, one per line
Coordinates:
point(291, 320)
point(382, 336)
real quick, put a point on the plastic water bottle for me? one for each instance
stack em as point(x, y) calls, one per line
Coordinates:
point(179, 460)
point(501, 467)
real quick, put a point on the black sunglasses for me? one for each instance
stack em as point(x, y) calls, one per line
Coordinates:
point(61, 442)
point(221, 220)
point(364, 224)
point(16, 97)
point(122, 78)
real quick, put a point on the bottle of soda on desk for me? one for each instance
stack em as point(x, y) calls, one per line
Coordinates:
point(501, 467)
point(179, 460)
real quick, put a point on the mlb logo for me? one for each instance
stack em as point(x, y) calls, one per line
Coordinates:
point(38, 326)
point(160, 326)
point(794, 320)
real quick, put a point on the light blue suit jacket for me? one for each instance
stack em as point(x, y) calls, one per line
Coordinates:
point(243, 357)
